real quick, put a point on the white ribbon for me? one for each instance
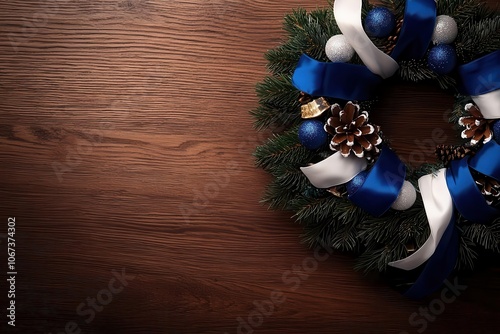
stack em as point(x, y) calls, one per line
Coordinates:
point(489, 104)
point(348, 17)
point(439, 209)
point(334, 170)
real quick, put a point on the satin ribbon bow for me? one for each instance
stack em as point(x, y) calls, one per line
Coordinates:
point(449, 190)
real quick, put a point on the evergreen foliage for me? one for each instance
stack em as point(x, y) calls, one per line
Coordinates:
point(333, 221)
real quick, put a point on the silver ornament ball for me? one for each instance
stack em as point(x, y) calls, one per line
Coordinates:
point(445, 31)
point(406, 198)
point(338, 49)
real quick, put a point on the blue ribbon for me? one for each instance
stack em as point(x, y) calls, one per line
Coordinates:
point(487, 160)
point(471, 204)
point(337, 80)
point(439, 266)
point(466, 196)
point(416, 32)
point(382, 184)
point(482, 75)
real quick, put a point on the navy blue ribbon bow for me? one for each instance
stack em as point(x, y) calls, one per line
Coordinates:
point(471, 204)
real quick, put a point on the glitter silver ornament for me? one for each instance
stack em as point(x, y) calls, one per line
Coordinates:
point(445, 31)
point(338, 49)
point(406, 198)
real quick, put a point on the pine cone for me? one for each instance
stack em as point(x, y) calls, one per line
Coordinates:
point(489, 187)
point(392, 40)
point(351, 131)
point(447, 153)
point(477, 128)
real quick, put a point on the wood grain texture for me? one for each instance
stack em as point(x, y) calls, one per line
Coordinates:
point(126, 143)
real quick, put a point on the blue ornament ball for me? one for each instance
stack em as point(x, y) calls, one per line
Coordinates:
point(312, 134)
point(380, 22)
point(442, 59)
point(496, 131)
point(353, 185)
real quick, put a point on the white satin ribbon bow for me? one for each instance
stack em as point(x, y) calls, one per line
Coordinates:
point(489, 104)
point(334, 170)
point(439, 209)
point(348, 17)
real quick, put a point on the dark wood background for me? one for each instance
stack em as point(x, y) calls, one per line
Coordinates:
point(126, 144)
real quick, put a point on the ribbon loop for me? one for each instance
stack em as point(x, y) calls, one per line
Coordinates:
point(439, 267)
point(487, 160)
point(335, 80)
point(441, 248)
point(348, 17)
point(334, 170)
point(467, 198)
point(416, 31)
point(482, 75)
point(439, 210)
point(481, 80)
point(382, 185)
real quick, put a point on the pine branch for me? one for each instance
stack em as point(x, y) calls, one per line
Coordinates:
point(464, 11)
point(417, 70)
point(267, 117)
point(279, 104)
point(376, 257)
point(459, 108)
point(336, 222)
point(282, 149)
point(277, 197)
point(397, 7)
point(308, 33)
point(479, 38)
point(313, 210)
point(487, 236)
point(466, 254)
point(290, 178)
point(397, 227)
point(336, 228)
point(346, 238)
point(279, 92)
point(283, 60)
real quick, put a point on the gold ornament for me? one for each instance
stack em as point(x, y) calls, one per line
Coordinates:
point(315, 108)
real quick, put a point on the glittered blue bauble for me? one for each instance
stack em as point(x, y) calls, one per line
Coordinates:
point(312, 134)
point(496, 131)
point(442, 59)
point(353, 185)
point(379, 22)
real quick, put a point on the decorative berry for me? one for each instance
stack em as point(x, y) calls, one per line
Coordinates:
point(312, 134)
point(379, 22)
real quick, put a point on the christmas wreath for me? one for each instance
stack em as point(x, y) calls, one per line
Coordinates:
point(335, 170)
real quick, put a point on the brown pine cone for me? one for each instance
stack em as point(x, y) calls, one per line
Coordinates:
point(489, 187)
point(351, 131)
point(448, 153)
point(393, 39)
point(477, 128)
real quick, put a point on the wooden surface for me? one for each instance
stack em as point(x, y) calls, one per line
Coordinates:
point(126, 144)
